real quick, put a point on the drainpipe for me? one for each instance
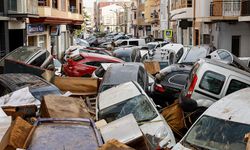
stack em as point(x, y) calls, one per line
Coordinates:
point(194, 34)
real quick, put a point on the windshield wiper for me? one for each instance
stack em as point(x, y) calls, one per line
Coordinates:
point(195, 146)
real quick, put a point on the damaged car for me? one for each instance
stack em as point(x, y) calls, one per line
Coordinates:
point(130, 98)
point(72, 133)
point(222, 126)
point(38, 87)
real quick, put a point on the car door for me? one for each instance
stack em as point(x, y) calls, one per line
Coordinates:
point(4, 89)
point(210, 86)
point(234, 84)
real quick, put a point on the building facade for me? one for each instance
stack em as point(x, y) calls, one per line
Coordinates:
point(13, 17)
point(224, 24)
point(58, 20)
point(43, 23)
point(152, 17)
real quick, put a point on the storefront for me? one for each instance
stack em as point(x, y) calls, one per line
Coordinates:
point(38, 35)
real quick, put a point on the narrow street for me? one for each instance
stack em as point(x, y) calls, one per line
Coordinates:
point(124, 74)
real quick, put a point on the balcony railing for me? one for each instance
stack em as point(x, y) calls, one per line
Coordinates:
point(181, 4)
point(23, 7)
point(225, 8)
point(245, 8)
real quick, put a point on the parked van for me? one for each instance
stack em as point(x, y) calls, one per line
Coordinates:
point(134, 42)
point(222, 126)
point(210, 80)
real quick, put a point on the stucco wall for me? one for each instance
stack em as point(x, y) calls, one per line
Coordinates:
point(223, 33)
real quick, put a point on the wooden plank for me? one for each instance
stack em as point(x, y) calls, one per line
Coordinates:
point(77, 84)
point(63, 107)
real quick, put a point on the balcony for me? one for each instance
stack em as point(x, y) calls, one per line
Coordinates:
point(23, 8)
point(245, 8)
point(225, 9)
point(178, 4)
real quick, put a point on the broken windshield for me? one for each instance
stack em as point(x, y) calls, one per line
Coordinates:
point(215, 134)
point(139, 106)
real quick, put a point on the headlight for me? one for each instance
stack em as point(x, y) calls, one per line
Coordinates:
point(164, 140)
point(161, 133)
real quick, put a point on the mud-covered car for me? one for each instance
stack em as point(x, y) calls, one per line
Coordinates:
point(222, 126)
point(73, 134)
point(37, 86)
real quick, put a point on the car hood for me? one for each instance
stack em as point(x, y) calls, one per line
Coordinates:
point(179, 146)
point(155, 125)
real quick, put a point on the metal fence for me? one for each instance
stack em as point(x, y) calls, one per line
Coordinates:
point(225, 8)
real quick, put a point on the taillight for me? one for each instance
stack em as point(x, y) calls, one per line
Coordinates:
point(192, 86)
point(159, 88)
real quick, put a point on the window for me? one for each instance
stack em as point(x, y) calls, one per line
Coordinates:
point(135, 43)
point(179, 54)
point(54, 4)
point(236, 85)
point(141, 77)
point(42, 41)
point(94, 63)
point(63, 5)
point(39, 60)
point(4, 90)
point(124, 43)
point(212, 82)
point(12, 5)
point(179, 79)
point(77, 58)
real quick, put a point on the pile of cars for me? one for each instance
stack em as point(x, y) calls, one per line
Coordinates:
point(209, 88)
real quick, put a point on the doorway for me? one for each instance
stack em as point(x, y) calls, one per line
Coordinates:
point(236, 45)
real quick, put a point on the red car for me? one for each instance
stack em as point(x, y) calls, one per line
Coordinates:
point(84, 64)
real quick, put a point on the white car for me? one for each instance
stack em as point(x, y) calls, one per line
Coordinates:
point(155, 45)
point(72, 51)
point(222, 126)
point(129, 98)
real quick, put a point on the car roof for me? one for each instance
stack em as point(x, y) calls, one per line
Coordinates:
point(173, 47)
point(233, 107)
point(17, 81)
point(176, 67)
point(121, 72)
point(224, 65)
point(84, 54)
point(118, 94)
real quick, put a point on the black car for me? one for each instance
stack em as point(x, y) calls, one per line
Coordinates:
point(15, 81)
point(124, 72)
point(169, 83)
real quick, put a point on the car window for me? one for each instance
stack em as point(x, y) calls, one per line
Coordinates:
point(94, 63)
point(141, 77)
point(124, 43)
point(163, 44)
point(39, 60)
point(212, 82)
point(179, 79)
point(100, 72)
point(139, 106)
point(212, 133)
point(236, 85)
point(179, 54)
point(224, 55)
point(4, 90)
point(133, 43)
point(77, 58)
